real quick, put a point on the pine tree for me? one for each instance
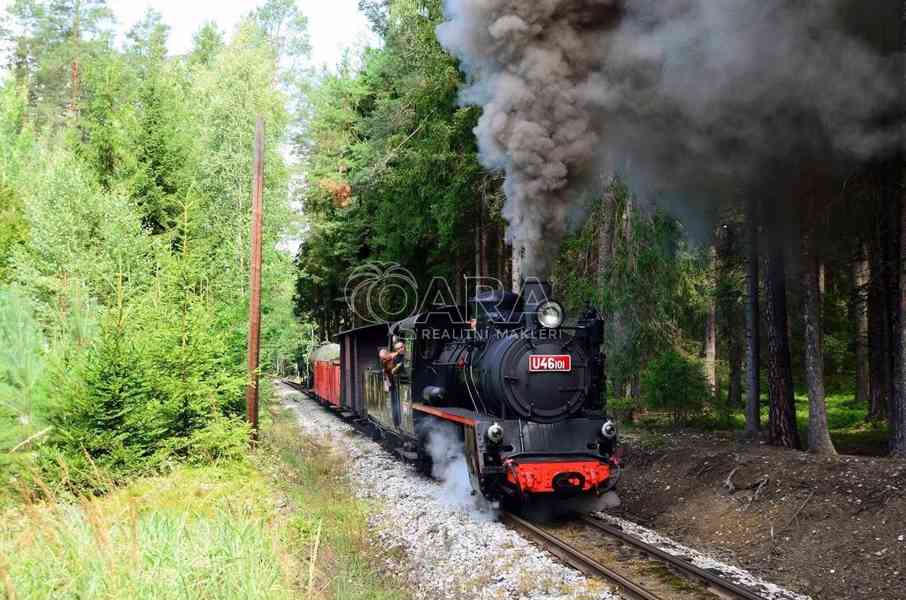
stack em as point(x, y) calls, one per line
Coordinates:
point(782, 428)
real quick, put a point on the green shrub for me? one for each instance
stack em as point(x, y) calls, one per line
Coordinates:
point(22, 393)
point(222, 440)
point(675, 383)
point(106, 418)
point(622, 407)
point(154, 390)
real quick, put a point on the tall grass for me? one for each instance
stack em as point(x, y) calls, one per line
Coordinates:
point(198, 533)
point(281, 525)
point(328, 523)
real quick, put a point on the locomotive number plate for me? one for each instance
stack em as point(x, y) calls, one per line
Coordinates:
point(545, 363)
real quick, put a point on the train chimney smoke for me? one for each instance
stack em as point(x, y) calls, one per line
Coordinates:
point(697, 103)
point(527, 63)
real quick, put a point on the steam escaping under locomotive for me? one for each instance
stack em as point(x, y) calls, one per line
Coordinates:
point(520, 387)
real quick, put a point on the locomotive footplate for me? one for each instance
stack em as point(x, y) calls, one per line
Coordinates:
point(522, 457)
point(566, 477)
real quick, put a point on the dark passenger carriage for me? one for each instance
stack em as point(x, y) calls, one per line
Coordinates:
point(358, 355)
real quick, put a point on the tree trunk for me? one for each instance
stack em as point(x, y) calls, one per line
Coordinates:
point(878, 337)
point(891, 278)
point(898, 445)
point(822, 280)
point(476, 241)
point(502, 257)
point(898, 421)
point(890, 234)
point(605, 256)
point(605, 239)
point(711, 347)
point(75, 75)
point(819, 440)
point(485, 245)
point(753, 334)
point(459, 289)
point(782, 429)
point(711, 327)
point(859, 318)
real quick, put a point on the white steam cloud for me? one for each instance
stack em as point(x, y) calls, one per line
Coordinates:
point(449, 467)
point(697, 101)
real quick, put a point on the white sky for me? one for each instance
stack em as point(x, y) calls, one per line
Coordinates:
point(334, 24)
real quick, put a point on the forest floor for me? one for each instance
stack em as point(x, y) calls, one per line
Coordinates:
point(832, 528)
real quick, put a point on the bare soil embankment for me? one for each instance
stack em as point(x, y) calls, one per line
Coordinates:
point(833, 528)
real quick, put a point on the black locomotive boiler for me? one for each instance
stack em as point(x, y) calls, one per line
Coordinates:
point(520, 387)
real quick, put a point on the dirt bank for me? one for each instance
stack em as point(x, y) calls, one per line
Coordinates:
point(830, 528)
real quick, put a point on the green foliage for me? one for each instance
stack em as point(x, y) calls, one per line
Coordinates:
point(196, 533)
point(108, 416)
point(221, 440)
point(675, 383)
point(13, 228)
point(48, 38)
point(393, 165)
point(124, 215)
point(654, 287)
point(207, 43)
point(23, 395)
point(77, 233)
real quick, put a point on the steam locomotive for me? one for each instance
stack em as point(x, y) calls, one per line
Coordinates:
point(518, 386)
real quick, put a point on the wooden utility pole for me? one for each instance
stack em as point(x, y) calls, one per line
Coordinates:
point(251, 394)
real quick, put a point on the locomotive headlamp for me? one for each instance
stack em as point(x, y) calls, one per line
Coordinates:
point(550, 315)
point(495, 433)
point(609, 430)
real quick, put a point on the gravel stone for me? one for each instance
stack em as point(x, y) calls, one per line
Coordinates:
point(445, 545)
point(441, 547)
point(769, 590)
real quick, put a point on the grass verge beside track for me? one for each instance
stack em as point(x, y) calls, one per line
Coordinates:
point(281, 525)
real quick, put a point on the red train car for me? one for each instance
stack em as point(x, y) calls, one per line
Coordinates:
point(325, 366)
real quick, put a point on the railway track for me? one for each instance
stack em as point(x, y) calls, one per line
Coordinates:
point(575, 557)
point(722, 586)
point(296, 386)
point(582, 561)
point(591, 567)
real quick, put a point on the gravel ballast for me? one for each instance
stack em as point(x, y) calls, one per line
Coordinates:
point(439, 544)
point(437, 538)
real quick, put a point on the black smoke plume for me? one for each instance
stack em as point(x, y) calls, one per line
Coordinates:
point(699, 103)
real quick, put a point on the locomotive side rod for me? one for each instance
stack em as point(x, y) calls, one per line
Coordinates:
point(728, 587)
point(575, 558)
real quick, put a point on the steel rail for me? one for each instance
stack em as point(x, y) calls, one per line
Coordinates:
point(681, 564)
point(296, 386)
point(574, 557)
point(584, 563)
